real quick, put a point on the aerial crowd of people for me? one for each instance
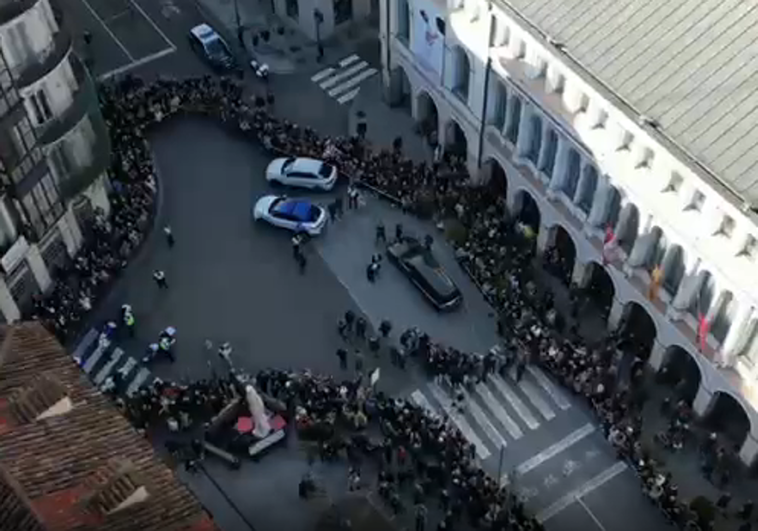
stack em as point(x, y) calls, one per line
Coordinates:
point(492, 246)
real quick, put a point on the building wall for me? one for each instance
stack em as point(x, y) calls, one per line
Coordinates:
point(302, 19)
point(589, 165)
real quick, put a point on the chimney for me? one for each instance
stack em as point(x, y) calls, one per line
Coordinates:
point(116, 487)
point(43, 398)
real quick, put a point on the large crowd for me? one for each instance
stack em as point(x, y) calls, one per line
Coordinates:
point(493, 247)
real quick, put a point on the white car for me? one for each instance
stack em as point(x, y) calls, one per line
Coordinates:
point(297, 215)
point(302, 172)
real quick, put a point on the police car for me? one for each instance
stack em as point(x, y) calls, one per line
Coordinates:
point(302, 172)
point(297, 215)
point(207, 43)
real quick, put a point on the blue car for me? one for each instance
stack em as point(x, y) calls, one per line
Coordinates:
point(297, 215)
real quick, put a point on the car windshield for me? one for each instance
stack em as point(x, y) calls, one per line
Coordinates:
point(215, 47)
point(432, 273)
point(287, 165)
point(325, 170)
point(297, 210)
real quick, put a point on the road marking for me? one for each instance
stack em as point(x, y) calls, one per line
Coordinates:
point(420, 400)
point(153, 24)
point(127, 367)
point(323, 74)
point(348, 96)
point(135, 64)
point(85, 344)
point(350, 83)
point(349, 60)
point(544, 382)
point(329, 83)
point(108, 30)
point(554, 449)
point(481, 418)
point(534, 397)
point(142, 375)
point(108, 367)
point(462, 424)
point(508, 423)
point(591, 514)
point(89, 365)
point(598, 481)
point(509, 394)
point(114, 17)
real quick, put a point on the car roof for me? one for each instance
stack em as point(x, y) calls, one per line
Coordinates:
point(297, 208)
point(307, 165)
point(204, 33)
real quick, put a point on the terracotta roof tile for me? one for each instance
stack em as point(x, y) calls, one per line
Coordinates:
point(54, 466)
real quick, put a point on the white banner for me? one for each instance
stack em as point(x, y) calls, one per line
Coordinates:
point(428, 35)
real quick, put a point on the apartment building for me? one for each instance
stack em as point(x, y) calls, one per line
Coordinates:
point(54, 150)
point(635, 119)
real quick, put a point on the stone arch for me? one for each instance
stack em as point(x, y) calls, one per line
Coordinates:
point(427, 116)
point(674, 268)
point(628, 227)
point(401, 89)
point(600, 288)
point(403, 21)
point(535, 138)
point(492, 172)
point(560, 256)
point(456, 142)
point(638, 330)
point(727, 416)
point(461, 72)
point(681, 371)
point(526, 210)
point(588, 187)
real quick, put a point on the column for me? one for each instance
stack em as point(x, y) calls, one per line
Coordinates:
point(657, 357)
point(560, 169)
point(599, 208)
point(38, 267)
point(581, 273)
point(525, 132)
point(737, 337)
point(8, 304)
point(702, 402)
point(617, 312)
point(749, 450)
point(640, 250)
point(689, 288)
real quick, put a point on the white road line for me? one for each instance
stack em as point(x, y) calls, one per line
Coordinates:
point(108, 30)
point(513, 399)
point(420, 400)
point(127, 367)
point(598, 481)
point(329, 83)
point(348, 96)
point(554, 449)
point(501, 414)
point(481, 418)
point(599, 525)
point(459, 421)
point(89, 365)
point(142, 375)
point(548, 386)
point(350, 83)
point(323, 74)
point(108, 367)
point(114, 17)
point(135, 64)
point(534, 397)
point(349, 60)
point(153, 24)
point(85, 344)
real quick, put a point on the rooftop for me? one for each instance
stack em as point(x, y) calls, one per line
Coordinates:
point(687, 64)
point(69, 461)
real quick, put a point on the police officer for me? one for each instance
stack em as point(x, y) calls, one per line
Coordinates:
point(381, 233)
point(129, 322)
point(165, 347)
point(385, 327)
point(360, 328)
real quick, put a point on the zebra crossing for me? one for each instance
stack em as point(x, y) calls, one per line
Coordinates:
point(102, 359)
point(341, 81)
point(497, 411)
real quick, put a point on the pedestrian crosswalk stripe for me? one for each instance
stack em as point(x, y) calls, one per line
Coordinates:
point(350, 83)
point(349, 60)
point(329, 83)
point(554, 449)
point(501, 415)
point(481, 417)
point(460, 422)
point(531, 393)
point(94, 358)
point(142, 375)
point(510, 395)
point(544, 382)
point(420, 400)
point(85, 344)
point(326, 72)
point(348, 96)
point(108, 367)
point(127, 367)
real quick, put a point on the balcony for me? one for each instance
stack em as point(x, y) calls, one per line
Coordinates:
point(78, 179)
point(45, 61)
point(10, 9)
point(85, 99)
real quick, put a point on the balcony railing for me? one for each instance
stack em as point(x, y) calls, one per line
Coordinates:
point(45, 61)
point(10, 9)
point(78, 179)
point(85, 98)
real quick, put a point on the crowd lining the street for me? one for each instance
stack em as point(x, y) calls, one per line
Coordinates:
point(495, 248)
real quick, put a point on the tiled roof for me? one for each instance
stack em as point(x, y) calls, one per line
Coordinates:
point(687, 64)
point(77, 470)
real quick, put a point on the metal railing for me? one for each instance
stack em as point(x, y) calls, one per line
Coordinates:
point(10, 9)
point(85, 99)
point(43, 62)
point(78, 179)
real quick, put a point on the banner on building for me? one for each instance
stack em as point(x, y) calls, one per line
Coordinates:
point(428, 35)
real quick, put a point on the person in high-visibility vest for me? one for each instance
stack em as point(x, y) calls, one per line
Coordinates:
point(165, 347)
point(129, 321)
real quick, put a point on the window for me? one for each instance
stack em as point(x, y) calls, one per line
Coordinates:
point(726, 227)
point(501, 106)
point(343, 11)
point(625, 140)
point(645, 159)
point(61, 162)
point(40, 107)
point(674, 185)
point(520, 50)
point(697, 201)
point(515, 122)
point(19, 43)
point(559, 83)
point(293, 9)
point(601, 119)
point(499, 33)
point(750, 247)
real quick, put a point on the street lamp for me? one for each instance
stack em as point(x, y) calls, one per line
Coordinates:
point(318, 17)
